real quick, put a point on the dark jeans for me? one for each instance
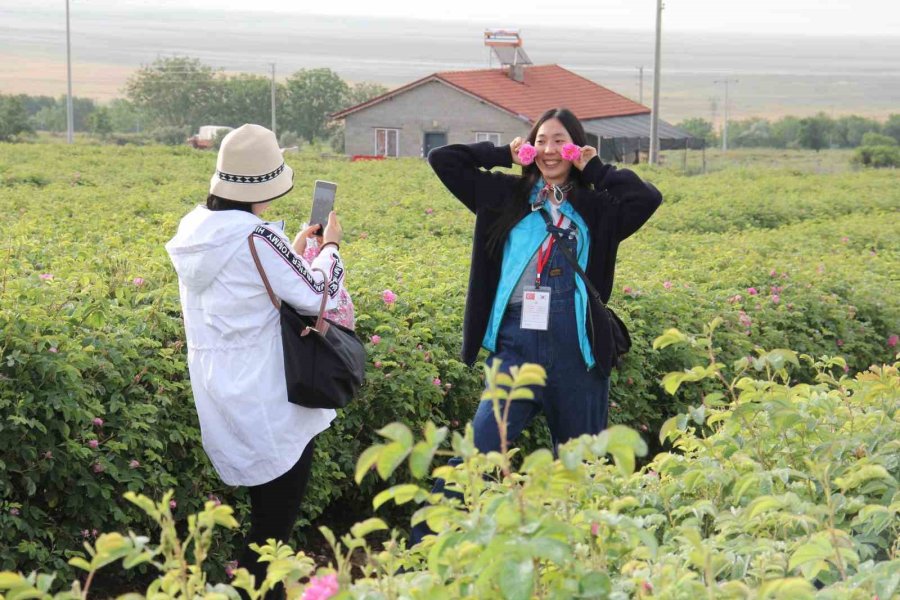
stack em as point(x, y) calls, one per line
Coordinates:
point(575, 401)
point(273, 511)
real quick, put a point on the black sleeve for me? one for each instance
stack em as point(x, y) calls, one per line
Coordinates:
point(460, 169)
point(633, 200)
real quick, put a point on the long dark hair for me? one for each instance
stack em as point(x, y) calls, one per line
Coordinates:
point(517, 207)
point(216, 203)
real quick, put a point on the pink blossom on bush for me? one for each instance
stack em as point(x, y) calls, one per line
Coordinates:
point(52, 350)
point(644, 427)
point(839, 342)
point(752, 291)
point(94, 444)
point(429, 211)
point(436, 381)
point(377, 364)
point(667, 285)
point(892, 341)
point(846, 369)
point(527, 152)
point(321, 588)
point(46, 276)
point(134, 464)
point(595, 529)
point(773, 273)
point(626, 289)
point(389, 297)
point(376, 339)
point(363, 235)
point(214, 499)
point(173, 505)
point(845, 239)
point(94, 533)
point(571, 152)
point(14, 511)
point(85, 533)
point(230, 567)
point(790, 306)
point(735, 298)
point(138, 281)
point(776, 298)
point(48, 455)
point(98, 468)
point(97, 421)
point(744, 319)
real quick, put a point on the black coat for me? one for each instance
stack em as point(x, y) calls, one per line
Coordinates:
point(619, 203)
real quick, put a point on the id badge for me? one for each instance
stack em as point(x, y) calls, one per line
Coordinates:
point(536, 308)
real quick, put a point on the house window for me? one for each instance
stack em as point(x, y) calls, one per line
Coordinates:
point(387, 142)
point(488, 136)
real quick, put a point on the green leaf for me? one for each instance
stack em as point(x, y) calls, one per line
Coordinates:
point(763, 504)
point(364, 528)
point(420, 459)
point(537, 460)
point(397, 432)
point(79, 563)
point(366, 460)
point(816, 550)
point(391, 457)
point(595, 584)
point(668, 338)
point(672, 381)
point(862, 474)
point(517, 579)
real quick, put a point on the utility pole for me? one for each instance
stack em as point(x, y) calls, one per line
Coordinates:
point(725, 126)
point(641, 85)
point(654, 119)
point(70, 112)
point(273, 101)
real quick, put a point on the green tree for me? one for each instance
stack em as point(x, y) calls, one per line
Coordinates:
point(700, 129)
point(754, 132)
point(247, 99)
point(100, 122)
point(312, 95)
point(125, 117)
point(52, 116)
point(363, 92)
point(877, 139)
point(176, 92)
point(814, 131)
point(13, 118)
point(892, 127)
point(786, 132)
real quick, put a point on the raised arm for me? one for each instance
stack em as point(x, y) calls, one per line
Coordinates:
point(633, 200)
point(465, 170)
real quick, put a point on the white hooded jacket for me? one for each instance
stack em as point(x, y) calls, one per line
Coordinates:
point(250, 431)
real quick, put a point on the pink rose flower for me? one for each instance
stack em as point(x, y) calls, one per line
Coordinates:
point(377, 364)
point(389, 297)
point(376, 339)
point(845, 239)
point(138, 281)
point(98, 468)
point(321, 588)
point(93, 444)
point(595, 529)
point(571, 152)
point(437, 381)
point(429, 211)
point(776, 298)
point(173, 505)
point(892, 341)
point(626, 289)
point(48, 455)
point(134, 464)
point(527, 152)
point(744, 319)
point(752, 291)
point(98, 422)
point(46, 276)
point(773, 273)
point(52, 350)
point(839, 342)
point(14, 511)
point(230, 567)
point(214, 499)
point(667, 285)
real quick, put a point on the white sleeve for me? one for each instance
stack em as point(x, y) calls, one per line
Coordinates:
point(292, 278)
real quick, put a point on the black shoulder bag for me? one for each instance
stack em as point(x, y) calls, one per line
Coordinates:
point(324, 363)
point(621, 339)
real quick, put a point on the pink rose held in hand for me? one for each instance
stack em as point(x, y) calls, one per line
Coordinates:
point(527, 152)
point(571, 152)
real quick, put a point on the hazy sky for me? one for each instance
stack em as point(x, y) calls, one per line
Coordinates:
point(806, 17)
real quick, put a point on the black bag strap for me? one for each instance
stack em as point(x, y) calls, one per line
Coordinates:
point(321, 325)
point(554, 231)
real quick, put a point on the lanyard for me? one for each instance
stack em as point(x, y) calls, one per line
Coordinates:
point(544, 256)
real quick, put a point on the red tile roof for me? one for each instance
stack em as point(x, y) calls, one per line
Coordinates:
point(544, 87)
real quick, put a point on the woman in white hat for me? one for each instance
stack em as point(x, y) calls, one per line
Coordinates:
point(253, 436)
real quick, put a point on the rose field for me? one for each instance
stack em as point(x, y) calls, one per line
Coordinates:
point(754, 450)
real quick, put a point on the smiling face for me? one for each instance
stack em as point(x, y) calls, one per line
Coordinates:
point(551, 137)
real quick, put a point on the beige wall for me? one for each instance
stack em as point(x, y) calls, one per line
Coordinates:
point(430, 107)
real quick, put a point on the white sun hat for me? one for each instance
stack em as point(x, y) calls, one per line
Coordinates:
point(250, 167)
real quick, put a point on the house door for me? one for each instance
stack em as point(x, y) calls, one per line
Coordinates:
point(433, 139)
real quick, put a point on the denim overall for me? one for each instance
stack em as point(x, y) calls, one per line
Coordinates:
point(575, 401)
